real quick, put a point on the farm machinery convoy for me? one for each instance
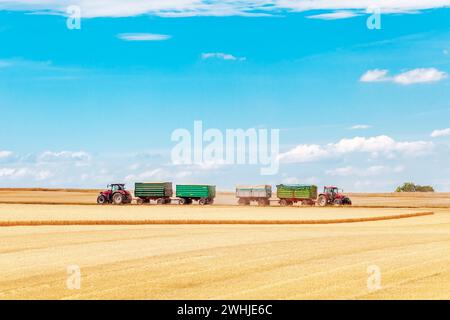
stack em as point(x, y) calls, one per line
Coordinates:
point(162, 193)
point(288, 194)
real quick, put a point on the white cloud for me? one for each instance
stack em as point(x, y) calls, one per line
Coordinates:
point(5, 154)
point(21, 173)
point(143, 36)
point(374, 75)
point(440, 133)
point(385, 5)
point(7, 172)
point(334, 15)
point(360, 127)
point(49, 156)
point(379, 145)
point(304, 153)
point(419, 75)
point(366, 172)
point(184, 8)
point(221, 55)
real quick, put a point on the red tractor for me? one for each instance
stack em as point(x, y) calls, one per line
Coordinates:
point(332, 196)
point(115, 194)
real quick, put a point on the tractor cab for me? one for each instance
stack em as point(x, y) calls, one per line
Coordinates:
point(116, 186)
point(333, 193)
point(331, 190)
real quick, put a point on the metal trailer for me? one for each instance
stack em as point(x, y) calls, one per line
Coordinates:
point(158, 191)
point(187, 193)
point(293, 193)
point(260, 193)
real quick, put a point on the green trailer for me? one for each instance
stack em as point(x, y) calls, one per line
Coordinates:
point(158, 191)
point(291, 193)
point(204, 194)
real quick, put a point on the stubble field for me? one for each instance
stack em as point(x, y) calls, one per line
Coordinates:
point(274, 258)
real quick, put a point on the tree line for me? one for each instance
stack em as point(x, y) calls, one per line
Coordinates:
point(412, 187)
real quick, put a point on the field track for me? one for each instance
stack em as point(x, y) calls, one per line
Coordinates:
point(198, 222)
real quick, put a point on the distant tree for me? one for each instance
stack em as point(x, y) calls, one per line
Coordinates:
point(424, 189)
point(411, 187)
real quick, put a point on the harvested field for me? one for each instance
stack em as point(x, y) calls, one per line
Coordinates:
point(214, 261)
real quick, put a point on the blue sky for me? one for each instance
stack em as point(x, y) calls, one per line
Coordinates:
point(355, 107)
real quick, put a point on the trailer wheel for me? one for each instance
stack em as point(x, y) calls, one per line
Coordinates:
point(243, 202)
point(262, 202)
point(202, 201)
point(182, 201)
point(167, 201)
point(161, 201)
point(140, 201)
point(284, 202)
point(347, 202)
point(210, 201)
point(322, 201)
point(101, 199)
point(117, 198)
point(307, 203)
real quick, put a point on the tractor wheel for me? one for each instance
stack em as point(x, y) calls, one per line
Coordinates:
point(284, 202)
point(140, 201)
point(202, 201)
point(322, 201)
point(347, 202)
point(118, 198)
point(101, 199)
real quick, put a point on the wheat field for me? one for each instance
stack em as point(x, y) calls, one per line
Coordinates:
point(225, 261)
